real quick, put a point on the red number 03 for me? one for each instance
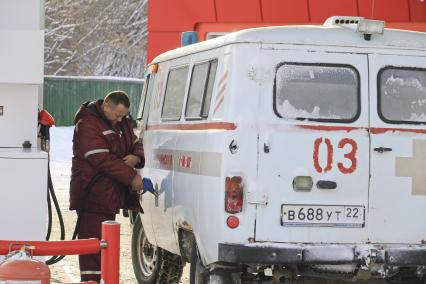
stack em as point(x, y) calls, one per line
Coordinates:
point(351, 155)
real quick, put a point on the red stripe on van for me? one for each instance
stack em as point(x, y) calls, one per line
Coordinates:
point(222, 90)
point(219, 102)
point(222, 80)
point(375, 130)
point(330, 128)
point(198, 126)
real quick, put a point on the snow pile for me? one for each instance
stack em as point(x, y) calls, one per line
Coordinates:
point(287, 110)
point(291, 112)
point(393, 83)
point(61, 144)
point(97, 78)
point(404, 96)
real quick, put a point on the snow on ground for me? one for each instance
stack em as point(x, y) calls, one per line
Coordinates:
point(61, 144)
point(98, 78)
point(67, 270)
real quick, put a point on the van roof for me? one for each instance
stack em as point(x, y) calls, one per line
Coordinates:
point(327, 35)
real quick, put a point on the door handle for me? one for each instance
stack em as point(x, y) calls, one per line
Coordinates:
point(326, 184)
point(382, 149)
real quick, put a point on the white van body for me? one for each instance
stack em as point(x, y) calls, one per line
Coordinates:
point(326, 128)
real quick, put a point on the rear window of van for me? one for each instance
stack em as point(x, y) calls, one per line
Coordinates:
point(402, 95)
point(317, 92)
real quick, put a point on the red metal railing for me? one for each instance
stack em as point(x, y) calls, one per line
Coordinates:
point(109, 247)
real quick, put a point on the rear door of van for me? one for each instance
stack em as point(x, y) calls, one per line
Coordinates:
point(313, 167)
point(398, 149)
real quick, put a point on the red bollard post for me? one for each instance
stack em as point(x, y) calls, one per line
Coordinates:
point(110, 252)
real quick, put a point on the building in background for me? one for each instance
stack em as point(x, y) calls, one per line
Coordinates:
point(167, 19)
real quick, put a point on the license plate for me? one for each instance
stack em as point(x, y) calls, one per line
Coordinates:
point(322, 215)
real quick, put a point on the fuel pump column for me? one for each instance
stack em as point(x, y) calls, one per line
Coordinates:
point(23, 165)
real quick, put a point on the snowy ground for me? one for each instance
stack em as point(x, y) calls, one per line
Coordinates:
point(67, 270)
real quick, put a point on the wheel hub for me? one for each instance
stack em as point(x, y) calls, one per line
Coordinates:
point(147, 254)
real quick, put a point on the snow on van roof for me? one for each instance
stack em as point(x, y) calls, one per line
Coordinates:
point(327, 35)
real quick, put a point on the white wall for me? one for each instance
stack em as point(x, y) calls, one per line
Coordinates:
point(21, 15)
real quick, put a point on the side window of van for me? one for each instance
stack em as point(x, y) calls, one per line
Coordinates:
point(175, 93)
point(402, 95)
point(317, 92)
point(200, 90)
point(146, 95)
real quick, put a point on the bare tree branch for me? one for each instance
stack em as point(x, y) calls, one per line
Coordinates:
point(96, 37)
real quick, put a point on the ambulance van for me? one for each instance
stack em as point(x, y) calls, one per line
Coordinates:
point(286, 155)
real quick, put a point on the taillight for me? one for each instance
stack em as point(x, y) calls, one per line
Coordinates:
point(234, 195)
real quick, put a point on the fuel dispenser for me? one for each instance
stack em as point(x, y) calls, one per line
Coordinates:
point(23, 163)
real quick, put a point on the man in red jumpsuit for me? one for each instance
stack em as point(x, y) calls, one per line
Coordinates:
point(104, 147)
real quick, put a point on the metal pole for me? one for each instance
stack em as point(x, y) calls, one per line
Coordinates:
point(87, 246)
point(110, 253)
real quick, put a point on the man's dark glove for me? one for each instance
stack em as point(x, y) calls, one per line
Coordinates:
point(132, 201)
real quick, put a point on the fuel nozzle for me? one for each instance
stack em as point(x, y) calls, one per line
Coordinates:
point(45, 121)
point(149, 187)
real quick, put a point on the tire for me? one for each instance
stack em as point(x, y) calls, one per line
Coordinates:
point(197, 272)
point(151, 264)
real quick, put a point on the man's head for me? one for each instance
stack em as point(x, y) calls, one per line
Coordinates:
point(116, 106)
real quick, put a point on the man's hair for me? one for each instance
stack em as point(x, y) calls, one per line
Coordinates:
point(118, 97)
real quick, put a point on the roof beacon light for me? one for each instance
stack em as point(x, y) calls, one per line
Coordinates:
point(369, 27)
point(342, 20)
point(365, 26)
point(189, 38)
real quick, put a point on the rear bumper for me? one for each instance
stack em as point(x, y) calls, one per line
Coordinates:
point(299, 254)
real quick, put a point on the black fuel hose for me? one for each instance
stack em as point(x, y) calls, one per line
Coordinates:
point(51, 196)
point(80, 212)
point(49, 216)
point(55, 202)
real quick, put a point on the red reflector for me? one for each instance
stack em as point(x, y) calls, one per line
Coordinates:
point(232, 222)
point(234, 195)
point(154, 68)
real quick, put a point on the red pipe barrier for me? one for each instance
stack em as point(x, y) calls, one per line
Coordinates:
point(89, 246)
point(109, 247)
point(110, 255)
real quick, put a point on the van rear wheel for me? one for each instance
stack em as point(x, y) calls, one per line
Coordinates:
point(152, 264)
